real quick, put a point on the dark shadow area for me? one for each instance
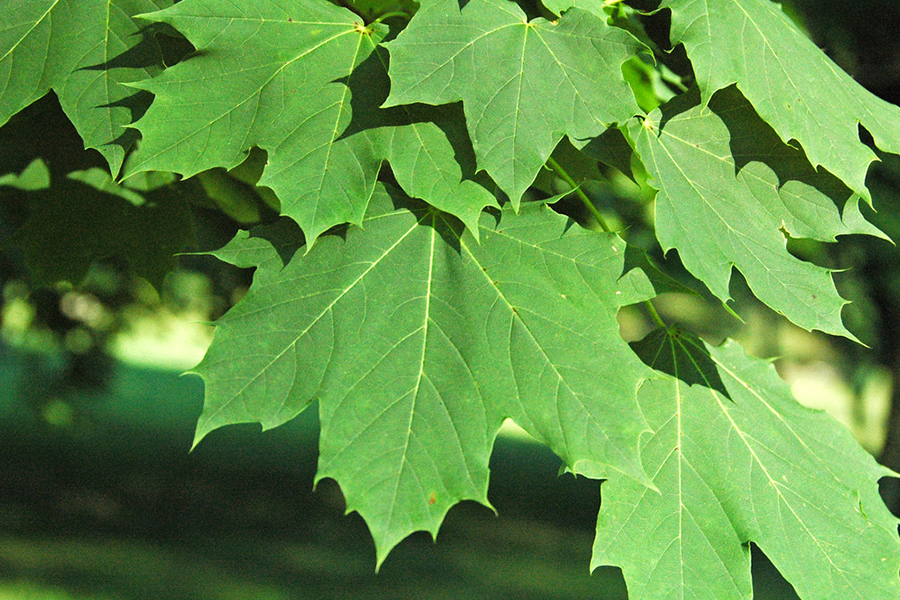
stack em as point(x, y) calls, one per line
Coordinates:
point(681, 355)
point(285, 236)
point(752, 139)
point(369, 88)
point(43, 131)
point(69, 218)
point(677, 105)
point(612, 149)
point(146, 54)
point(767, 581)
point(137, 104)
point(860, 36)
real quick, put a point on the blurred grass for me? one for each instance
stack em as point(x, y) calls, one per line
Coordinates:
point(112, 506)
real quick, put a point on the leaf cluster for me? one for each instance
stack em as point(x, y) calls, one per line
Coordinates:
point(425, 194)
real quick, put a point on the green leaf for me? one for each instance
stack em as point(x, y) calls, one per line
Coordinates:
point(267, 74)
point(85, 51)
point(578, 166)
point(722, 204)
point(36, 176)
point(229, 195)
point(424, 163)
point(428, 149)
point(302, 81)
point(86, 216)
point(661, 281)
point(524, 85)
point(417, 342)
point(792, 84)
point(279, 240)
point(752, 466)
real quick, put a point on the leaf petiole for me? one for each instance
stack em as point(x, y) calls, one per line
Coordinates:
point(596, 214)
point(654, 314)
point(575, 188)
point(389, 15)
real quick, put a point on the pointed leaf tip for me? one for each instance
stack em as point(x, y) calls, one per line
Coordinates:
point(793, 85)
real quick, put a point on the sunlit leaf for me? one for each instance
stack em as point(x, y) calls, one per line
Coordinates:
point(792, 84)
point(84, 50)
point(417, 342)
point(737, 460)
point(524, 84)
point(724, 201)
point(302, 81)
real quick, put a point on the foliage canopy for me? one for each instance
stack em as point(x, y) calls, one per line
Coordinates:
point(400, 165)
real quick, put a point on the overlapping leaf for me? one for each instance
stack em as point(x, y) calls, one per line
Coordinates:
point(736, 460)
point(792, 84)
point(86, 216)
point(418, 335)
point(298, 79)
point(84, 50)
point(424, 163)
point(268, 74)
point(523, 84)
point(417, 342)
point(719, 217)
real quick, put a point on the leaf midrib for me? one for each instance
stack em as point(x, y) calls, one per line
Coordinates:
point(756, 458)
point(515, 317)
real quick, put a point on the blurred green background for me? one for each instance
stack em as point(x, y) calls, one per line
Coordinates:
point(101, 500)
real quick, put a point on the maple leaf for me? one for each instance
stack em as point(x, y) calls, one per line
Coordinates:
point(417, 342)
point(302, 81)
point(267, 74)
point(727, 190)
point(420, 331)
point(84, 50)
point(524, 84)
point(792, 84)
point(736, 459)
